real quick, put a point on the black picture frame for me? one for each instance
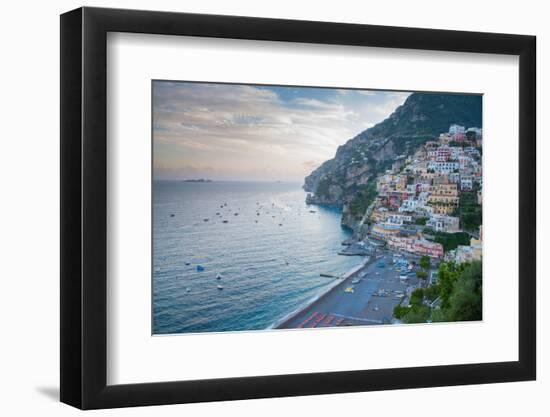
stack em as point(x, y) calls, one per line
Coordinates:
point(84, 207)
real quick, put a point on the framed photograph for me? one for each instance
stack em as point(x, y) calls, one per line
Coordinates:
point(257, 208)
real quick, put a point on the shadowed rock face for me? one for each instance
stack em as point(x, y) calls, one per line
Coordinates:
point(423, 116)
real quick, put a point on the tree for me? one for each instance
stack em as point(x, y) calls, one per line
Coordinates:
point(363, 199)
point(399, 311)
point(417, 297)
point(446, 276)
point(425, 262)
point(421, 221)
point(460, 291)
point(451, 241)
point(432, 292)
point(465, 303)
point(417, 314)
point(422, 274)
point(470, 211)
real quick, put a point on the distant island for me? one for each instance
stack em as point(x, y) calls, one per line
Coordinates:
point(198, 180)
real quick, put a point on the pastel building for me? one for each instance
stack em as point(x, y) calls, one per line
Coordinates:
point(454, 129)
point(443, 223)
point(424, 247)
point(443, 167)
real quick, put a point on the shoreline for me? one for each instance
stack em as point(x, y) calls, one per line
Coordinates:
point(350, 274)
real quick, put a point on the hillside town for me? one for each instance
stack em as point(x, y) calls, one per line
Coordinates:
point(427, 197)
point(423, 242)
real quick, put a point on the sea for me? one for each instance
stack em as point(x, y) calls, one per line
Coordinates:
point(267, 245)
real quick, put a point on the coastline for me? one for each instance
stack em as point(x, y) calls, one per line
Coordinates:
point(280, 323)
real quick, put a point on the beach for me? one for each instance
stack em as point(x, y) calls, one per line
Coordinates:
point(365, 296)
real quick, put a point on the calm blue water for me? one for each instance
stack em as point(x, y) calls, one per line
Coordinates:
point(270, 263)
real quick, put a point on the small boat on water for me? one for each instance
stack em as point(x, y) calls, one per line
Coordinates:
point(200, 268)
point(188, 290)
point(225, 221)
point(220, 287)
point(235, 214)
point(172, 215)
point(187, 263)
point(205, 220)
point(312, 211)
point(219, 276)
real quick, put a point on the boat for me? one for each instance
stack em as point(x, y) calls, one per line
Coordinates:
point(205, 220)
point(220, 287)
point(225, 221)
point(200, 268)
point(236, 214)
point(172, 215)
point(219, 276)
point(188, 290)
point(187, 263)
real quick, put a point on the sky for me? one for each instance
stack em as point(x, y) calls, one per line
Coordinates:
point(239, 132)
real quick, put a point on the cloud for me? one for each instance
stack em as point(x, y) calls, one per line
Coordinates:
point(229, 131)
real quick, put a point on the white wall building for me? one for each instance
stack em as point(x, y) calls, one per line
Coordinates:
point(408, 205)
point(444, 167)
point(466, 183)
point(454, 129)
point(443, 223)
point(454, 177)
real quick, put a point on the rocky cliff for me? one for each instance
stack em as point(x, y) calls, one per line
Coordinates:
point(348, 180)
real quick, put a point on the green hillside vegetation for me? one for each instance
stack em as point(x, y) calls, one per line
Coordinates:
point(428, 114)
point(470, 212)
point(458, 294)
point(363, 199)
point(451, 241)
